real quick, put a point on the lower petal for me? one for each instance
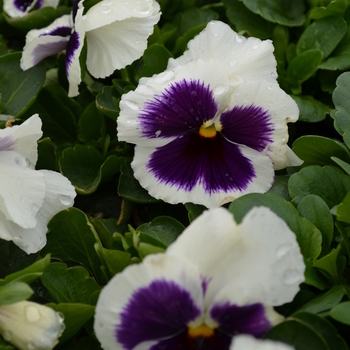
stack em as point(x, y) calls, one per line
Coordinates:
point(18, 8)
point(148, 302)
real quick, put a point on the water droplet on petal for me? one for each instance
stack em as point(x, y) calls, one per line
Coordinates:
point(22, 161)
point(219, 90)
point(32, 314)
point(282, 250)
point(132, 105)
point(158, 133)
point(65, 200)
point(233, 62)
point(216, 34)
point(7, 335)
point(291, 277)
point(143, 9)
point(239, 39)
point(106, 12)
point(35, 208)
point(136, 41)
point(163, 77)
point(269, 87)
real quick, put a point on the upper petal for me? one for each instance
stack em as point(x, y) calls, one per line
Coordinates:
point(148, 302)
point(18, 8)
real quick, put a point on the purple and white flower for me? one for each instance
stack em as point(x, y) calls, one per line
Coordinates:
point(19, 8)
point(217, 280)
point(213, 126)
point(245, 342)
point(29, 198)
point(116, 33)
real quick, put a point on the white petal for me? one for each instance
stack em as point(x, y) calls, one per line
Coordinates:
point(22, 189)
point(59, 195)
point(51, 3)
point(39, 45)
point(24, 138)
point(72, 56)
point(292, 158)
point(246, 342)
point(114, 45)
point(281, 108)
point(29, 325)
point(251, 58)
point(13, 11)
point(115, 297)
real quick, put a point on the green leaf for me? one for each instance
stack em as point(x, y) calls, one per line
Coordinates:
point(308, 236)
point(13, 292)
point(71, 237)
point(343, 210)
point(28, 274)
point(46, 155)
point(335, 7)
point(73, 285)
point(316, 211)
point(86, 168)
point(302, 67)
point(164, 229)
point(38, 18)
point(313, 277)
point(329, 183)
point(325, 301)
point(298, 334)
point(310, 110)
point(328, 265)
point(129, 187)
point(283, 12)
point(342, 105)
point(341, 313)
point(107, 102)
point(340, 57)
point(75, 317)
point(155, 60)
point(280, 187)
point(194, 210)
point(247, 21)
point(324, 328)
point(324, 34)
point(19, 88)
point(319, 150)
point(92, 127)
point(344, 165)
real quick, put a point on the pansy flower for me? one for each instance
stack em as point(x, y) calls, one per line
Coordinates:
point(29, 198)
point(213, 126)
point(116, 33)
point(217, 280)
point(245, 342)
point(19, 8)
point(30, 326)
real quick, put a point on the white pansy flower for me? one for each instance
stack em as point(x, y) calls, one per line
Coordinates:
point(29, 198)
point(19, 8)
point(217, 280)
point(30, 326)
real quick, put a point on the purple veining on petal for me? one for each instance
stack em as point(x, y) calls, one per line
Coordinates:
point(215, 163)
point(23, 5)
point(72, 46)
point(205, 283)
point(248, 319)
point(6, 143)
point(160, 310)
point(59, 31)
point(182, 107)
point(250, 126)
point(42, 51)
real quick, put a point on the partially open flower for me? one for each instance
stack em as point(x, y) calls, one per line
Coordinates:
point(29, 198)
point(19, 8)
point(213, 126)
point(30, 326)
point(244, 342)
point(116, 33)
point(206, 288)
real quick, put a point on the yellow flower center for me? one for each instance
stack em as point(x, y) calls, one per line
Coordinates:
point(208, 132)
point(201, 331)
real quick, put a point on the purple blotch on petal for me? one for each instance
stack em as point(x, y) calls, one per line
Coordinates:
point(215, 163)
point(250, 126)
point(72, 46)
point(42, 51)
point(59, 31)
point(248, 319)
point(183, 106)
point(6, 143)
point(205, 283)
point(160, 310)
point(22, 5)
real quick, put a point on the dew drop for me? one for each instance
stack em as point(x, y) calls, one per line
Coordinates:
point(132, 105)
point(162, 78)
point(239, 39)
point(106, 12)
point(143, 9)
point(219, 90)
point(35, 208)
point(65, 200)
point(32, 314)
point(284, 139)
point(84, 17)
point(22, 161)
point(282, 250)
point(158, 133)
point(255, 47)
point(291, 277)
point(274, 74)
point(233, 63)
point(269, 87)
point(7, 335)
point(136, 41)
point(216, 34)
